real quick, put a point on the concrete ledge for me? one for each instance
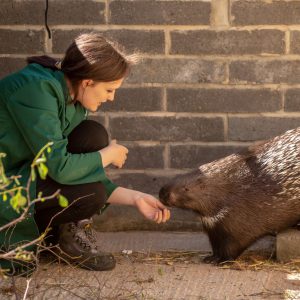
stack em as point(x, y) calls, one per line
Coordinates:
point(123, 218)
point(150, 241)
point(287, 245)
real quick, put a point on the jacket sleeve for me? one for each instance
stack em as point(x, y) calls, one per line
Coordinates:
point(35, 111)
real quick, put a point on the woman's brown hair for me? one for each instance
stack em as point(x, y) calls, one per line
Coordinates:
point(90, 56)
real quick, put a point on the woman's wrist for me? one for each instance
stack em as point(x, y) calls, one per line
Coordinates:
point(124, 196)
point(105, 156)
point(136, 197)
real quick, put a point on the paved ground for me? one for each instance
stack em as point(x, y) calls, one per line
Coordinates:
point(148, 273)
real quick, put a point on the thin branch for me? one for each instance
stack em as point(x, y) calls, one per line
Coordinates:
point(27, 287)
point(12, 253)
point(48, 227)
point(22, 217)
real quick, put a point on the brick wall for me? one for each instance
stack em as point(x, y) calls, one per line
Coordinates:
point(215, 76)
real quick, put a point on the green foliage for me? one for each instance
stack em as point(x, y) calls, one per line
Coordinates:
point(4, 197)
point(63, 201)
point(43, 170)
point(3, 179)
point(19, 197)
point(18, 201)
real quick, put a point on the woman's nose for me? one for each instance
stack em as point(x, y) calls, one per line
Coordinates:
point(111, 96)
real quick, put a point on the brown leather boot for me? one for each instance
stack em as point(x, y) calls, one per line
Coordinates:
point(77, 244)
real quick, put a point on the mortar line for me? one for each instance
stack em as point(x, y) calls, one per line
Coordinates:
point(151, 143)
point(167, 42)
point(166, 156)
point(229, 13)
point(203, 57)
point(164, 99)
point(211, 86)
point(107, 2)
point(283, 100)
point(211, 115)
point(150, 27)
point(287, 42)
point(219, 14)
point(227, 73)
point(47, 43)
point(226, 127)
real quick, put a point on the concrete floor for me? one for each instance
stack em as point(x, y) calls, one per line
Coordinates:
point(149, 274)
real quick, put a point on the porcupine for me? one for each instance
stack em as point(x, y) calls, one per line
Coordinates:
point(243, 196)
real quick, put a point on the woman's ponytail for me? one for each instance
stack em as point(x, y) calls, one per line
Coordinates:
point(45, 61)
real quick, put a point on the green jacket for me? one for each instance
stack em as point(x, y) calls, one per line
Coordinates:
point(34, 110)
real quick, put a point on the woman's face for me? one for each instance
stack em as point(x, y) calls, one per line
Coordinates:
point(91, 94)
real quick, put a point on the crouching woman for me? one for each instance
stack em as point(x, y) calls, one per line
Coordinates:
point(48, 101)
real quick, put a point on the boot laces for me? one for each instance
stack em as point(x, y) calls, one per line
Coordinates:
point(84, 234)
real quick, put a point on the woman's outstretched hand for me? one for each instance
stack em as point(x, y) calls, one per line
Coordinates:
point(148, 206)
point(151, 208)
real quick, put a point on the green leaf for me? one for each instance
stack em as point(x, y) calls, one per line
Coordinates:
point(63, 201)
point(18, 201)
point(43, 170)
point(33, 174)
point(49, 150)
point(40, 196)
point(14, 202)
point(4, 197)
point(22, 201)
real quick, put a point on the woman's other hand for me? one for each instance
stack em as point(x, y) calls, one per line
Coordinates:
point(114, 153)
point(119, 153)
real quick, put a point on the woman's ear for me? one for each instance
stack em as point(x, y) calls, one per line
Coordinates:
point(86, 82)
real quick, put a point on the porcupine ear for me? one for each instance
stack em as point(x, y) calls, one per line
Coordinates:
point(201, 178)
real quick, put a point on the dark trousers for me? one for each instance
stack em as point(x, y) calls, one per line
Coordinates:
point(88, 136)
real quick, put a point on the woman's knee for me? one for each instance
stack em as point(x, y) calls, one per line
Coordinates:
point(88, 136)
